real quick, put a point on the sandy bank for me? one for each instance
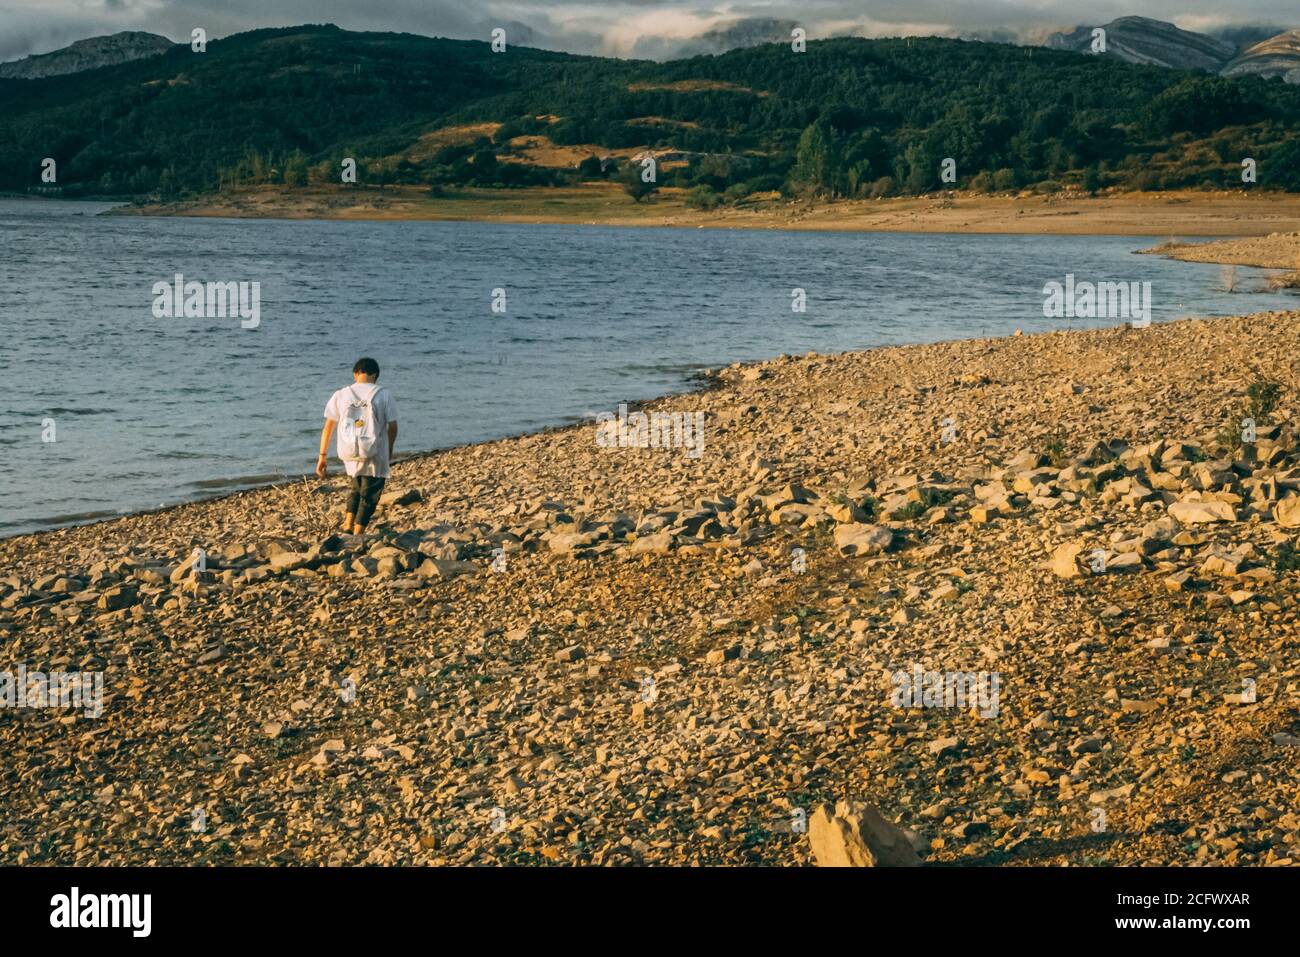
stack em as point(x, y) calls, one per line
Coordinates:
point(1134, 214)
point(1274, 251)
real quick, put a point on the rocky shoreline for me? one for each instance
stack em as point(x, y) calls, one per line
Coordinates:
point(554, 652)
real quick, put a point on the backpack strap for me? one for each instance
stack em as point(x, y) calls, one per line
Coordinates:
point(370, 401)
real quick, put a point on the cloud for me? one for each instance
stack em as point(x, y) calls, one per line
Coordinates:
point(621, 39)
point(614, 27)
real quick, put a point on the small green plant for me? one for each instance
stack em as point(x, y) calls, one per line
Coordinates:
point(1227, 438)
point(936, 496)
point(1056, 449)
point(1261, 399)
point(911, 510)
point(755, 834)
point(929, 498)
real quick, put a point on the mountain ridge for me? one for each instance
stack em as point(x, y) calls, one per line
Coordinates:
point(1151, 42)
point(1276, 56)
point(1132, 38)
point(849, 118)
point(88, 54)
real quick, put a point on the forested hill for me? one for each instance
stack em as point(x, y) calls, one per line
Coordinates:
point(847, 117)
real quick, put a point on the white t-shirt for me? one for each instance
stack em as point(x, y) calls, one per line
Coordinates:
point(385, 412)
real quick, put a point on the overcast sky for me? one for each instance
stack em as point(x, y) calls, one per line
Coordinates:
point(612, 27)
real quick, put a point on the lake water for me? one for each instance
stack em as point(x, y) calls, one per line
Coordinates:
point(147, 411)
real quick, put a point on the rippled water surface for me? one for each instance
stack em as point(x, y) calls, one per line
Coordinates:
point(149, 411)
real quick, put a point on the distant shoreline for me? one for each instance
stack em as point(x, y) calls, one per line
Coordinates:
point(1164, 214)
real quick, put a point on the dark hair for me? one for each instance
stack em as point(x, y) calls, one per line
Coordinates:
point(367, 367)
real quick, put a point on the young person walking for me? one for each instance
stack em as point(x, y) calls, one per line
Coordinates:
point(365, 417)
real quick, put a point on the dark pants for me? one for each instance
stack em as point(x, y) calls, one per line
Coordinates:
point(364, 497)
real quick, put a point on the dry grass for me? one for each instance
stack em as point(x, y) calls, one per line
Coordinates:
point(662, 121)
point(306, 503)
point(540, 151)
point(430, 143)
point(691, 86)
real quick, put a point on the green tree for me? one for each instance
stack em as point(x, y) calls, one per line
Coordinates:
point(634, 182)
point(703, 197)
point(816, 162)
point(295, 169)
point(884, 108)
point(922, 168)
point(1281, 168)
point(1201, 105)
point(1004, 180)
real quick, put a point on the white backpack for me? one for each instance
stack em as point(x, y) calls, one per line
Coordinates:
point(359, 429)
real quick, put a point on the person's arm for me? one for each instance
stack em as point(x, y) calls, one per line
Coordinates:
point(390, 415)
point(322, 460)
